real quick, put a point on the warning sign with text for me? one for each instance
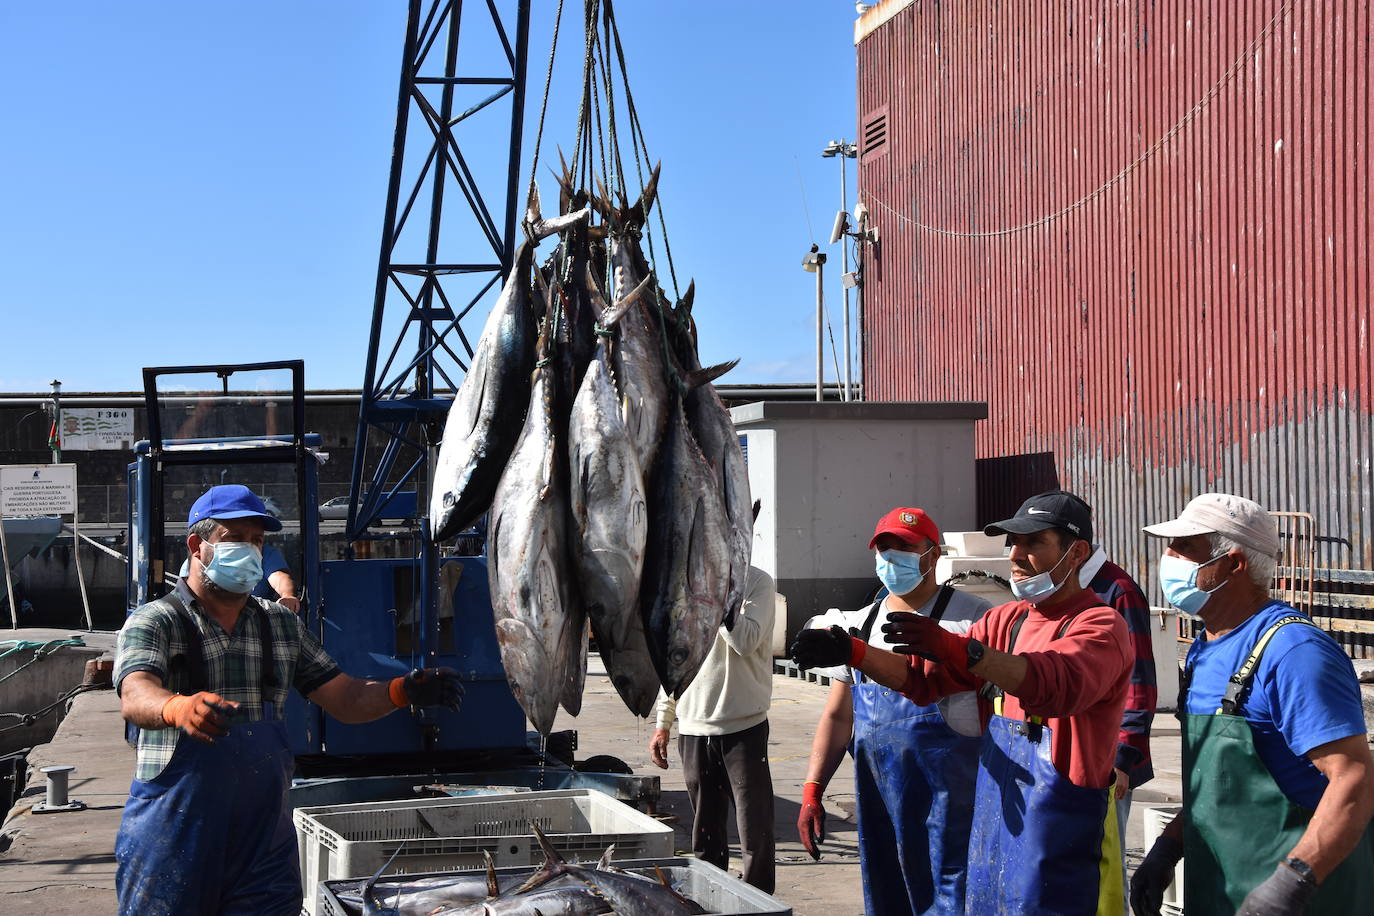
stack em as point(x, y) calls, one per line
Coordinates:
point(37, 489)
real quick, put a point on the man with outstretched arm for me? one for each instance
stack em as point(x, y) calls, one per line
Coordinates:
point(1278, 779)
point(203, 673)
point(1055, 665)
point(914, 766)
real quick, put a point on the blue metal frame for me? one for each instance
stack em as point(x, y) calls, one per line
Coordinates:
point(400, 399)
point(147, 516)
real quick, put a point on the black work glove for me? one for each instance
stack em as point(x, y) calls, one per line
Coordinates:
point(433, 687)
point(1284, 893)
point(1153, 875)
point(822, 648)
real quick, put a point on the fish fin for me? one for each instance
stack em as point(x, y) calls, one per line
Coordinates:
point(554, 865)
point(639, 213)
point(369, 888)
point(602, 202)
point(594, 293)
point(638, 293)
point(604, 862)
point(550, 854)
point(685, 303)
point(550, 463)
point(609, 315)
point(543, 228)
point(699, 377)
point(493, 886)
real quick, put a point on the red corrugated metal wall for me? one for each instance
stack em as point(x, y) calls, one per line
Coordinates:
point(1140, 232)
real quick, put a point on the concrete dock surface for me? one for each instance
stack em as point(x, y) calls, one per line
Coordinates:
point(63, 863)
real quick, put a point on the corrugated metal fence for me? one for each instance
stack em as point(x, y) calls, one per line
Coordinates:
point(1140, 232)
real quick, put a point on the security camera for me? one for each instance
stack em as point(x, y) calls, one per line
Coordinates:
point(841, 226)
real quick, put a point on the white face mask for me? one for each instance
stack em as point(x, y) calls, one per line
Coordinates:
point(1040, 586)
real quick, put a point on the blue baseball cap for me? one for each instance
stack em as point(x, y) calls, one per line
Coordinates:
point(231, 501)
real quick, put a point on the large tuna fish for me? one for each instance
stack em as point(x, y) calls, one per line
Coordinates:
point(715, 434)
point(639, 363)
point(486, 416)
point(628, 895)
point(686, 578)
point(537, 621)
point(611, 525)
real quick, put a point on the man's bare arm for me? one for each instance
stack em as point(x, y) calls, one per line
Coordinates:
point(353, 700)
point(285, 587)
point(1346, 805)
point(141, 698)
point(884, 667)
point(833, 731)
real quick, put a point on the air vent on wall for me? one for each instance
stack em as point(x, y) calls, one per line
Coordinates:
point(873, 139)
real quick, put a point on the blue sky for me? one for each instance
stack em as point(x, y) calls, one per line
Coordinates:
point(186, 183)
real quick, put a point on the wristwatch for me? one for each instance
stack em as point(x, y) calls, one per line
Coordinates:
point(1302, 868)
point(975, 652)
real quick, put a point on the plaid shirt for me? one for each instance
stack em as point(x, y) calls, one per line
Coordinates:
point(1117, 589)
point(152, 636)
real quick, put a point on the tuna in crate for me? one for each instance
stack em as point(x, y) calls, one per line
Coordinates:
point(715, 891)
point(450, 834)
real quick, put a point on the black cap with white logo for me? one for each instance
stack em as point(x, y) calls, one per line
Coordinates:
point(1054, 509)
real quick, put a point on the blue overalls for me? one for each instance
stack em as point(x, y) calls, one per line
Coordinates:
point(212, 833)
point(1040, 845)
point(914, 783)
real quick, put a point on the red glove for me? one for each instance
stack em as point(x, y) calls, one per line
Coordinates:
point(913, 634)
point(197, 715)
point(811, 820)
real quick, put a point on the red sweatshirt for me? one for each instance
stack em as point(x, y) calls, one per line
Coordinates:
point(1077, 683)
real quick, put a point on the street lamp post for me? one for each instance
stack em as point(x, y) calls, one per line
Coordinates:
point(57, 421)
point(814, 263)
point(844, 150)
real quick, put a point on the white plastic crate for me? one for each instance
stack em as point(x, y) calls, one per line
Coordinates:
point(718, 892)
point(1156, 819)
point(450, 834)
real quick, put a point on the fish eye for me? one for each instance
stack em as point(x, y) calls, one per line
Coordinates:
point(677, 656)
point(449, 500)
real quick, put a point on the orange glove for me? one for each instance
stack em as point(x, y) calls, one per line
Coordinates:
point(811, 821)
point(197, 715)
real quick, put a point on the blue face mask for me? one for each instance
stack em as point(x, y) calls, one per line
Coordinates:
point(235, 567)
point(1040, 586)
point(1178, 579)
point(899, 570)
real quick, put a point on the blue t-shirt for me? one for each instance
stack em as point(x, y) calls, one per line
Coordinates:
point(1303, 693)
point(272, 561)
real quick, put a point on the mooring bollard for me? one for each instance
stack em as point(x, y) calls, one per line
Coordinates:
point(57, 791)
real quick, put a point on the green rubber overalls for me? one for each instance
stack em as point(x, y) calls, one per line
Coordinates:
point(1240, 825)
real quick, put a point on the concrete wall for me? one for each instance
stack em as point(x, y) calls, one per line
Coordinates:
point(35, 687)
point(825, 472)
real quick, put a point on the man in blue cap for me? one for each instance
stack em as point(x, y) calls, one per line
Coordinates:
point(207, 827)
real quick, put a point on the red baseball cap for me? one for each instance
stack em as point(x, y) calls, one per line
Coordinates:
point(908, 525)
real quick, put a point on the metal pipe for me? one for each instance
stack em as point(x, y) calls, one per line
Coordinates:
point(57, 420)
point(820, 328)
point(844, 268)
point(9, 577)
point(792, 391)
